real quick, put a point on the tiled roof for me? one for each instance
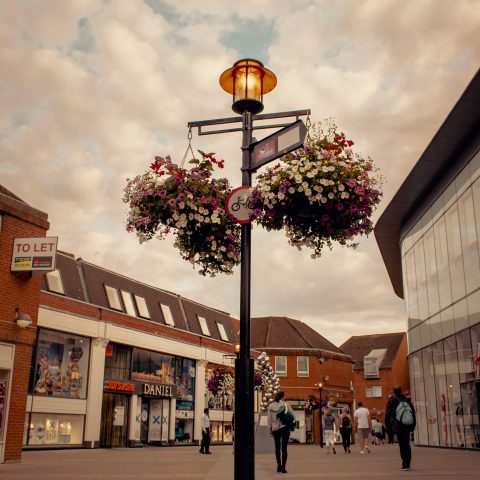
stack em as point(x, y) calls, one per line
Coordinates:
point(359, 346)
point(287, 333)
point(86, 282)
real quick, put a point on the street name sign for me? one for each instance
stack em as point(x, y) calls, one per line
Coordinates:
point(277, 144)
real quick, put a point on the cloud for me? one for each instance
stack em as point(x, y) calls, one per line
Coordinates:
point(90, 91)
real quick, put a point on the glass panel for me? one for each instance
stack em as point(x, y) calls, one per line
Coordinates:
point(117, 362)
point(54, 282)
point(421, 279)
point(425, 337)
point(469, 241)
point(140, 363)
point(430, 395)
point(281, 365)
point(421, 432)
point(167, 314)
point(4, 378)
point(465, 357)
point(455, 253)
point(142, 307)
point(61, 367)
point(460, 315)
point(162, 368)
point(473, 307)
point(112, 296)
point(472, 405)
point(476, 206)
point(431, 271)
point(435, 324)
point(453, 397)
point(302, 366)
point(113, 430)
point(203, 325)
point(185, 381)
point(412, 297)
point(475, 166)
point(414, 339)
point(441, 255)
point(223, 333)
point(128, 302)
point(462, 181)
point(55, 429)
point(438, 429)
point(447, 321)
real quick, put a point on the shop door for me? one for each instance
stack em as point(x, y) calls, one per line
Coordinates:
point(158, 421)
point(144, 416)
point(113, 431)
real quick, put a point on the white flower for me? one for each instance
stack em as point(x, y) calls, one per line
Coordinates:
point(323, 199)
point(300, 188)
point(345, 195)
point(291, 190)
point(298, 178)
point(341, 187)
point(305, 184)
point(324, 169)
point(331, 195)
point(281, 196)
point(308, 192)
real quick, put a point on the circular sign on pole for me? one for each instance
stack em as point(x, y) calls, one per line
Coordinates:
point(239, 205)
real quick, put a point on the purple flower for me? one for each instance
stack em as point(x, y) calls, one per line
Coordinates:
point(161, 193)
point(351, 182)
point(340, 207)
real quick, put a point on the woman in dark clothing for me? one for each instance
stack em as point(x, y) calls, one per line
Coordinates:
point(346, 429)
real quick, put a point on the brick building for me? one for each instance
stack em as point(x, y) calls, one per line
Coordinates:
point(303, 360)
point(380, 363)
point(17, 290)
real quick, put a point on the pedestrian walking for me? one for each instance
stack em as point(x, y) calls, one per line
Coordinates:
point(279, 431)
point(363, 425)
point(400, 416)
point(205, 423)
point(377, 431)
point(345, 422)
point(329, 425)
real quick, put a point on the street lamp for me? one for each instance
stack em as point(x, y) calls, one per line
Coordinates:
point(247, 81)
point(320, 389)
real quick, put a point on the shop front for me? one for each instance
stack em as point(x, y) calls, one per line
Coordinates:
point(56, 406)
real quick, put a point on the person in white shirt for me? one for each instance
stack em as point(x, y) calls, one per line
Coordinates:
point(205, 423)
point(363, 426)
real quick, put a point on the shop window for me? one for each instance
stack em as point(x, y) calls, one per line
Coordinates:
point(167, 315)
point(302, 366)
point(4, 377)
point(53, 429)
point(223, 333)
point(113, 299)
point(117, 362)
point(54, 282)
point(373, 392)
point(128, 302)
point(61, 365)
point(203, 325)
point(185, 381)
point(281, 366)
point(142, 307)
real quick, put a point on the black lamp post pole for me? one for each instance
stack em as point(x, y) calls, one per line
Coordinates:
point(244, 447)
point(321, 418)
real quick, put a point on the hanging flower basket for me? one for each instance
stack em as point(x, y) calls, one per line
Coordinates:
point(322, 193)
point(188, 203)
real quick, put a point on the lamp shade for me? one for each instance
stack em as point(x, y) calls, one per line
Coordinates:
point(248, 80)
point(23, 320)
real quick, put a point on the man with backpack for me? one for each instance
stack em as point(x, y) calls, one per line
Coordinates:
point(400, 417)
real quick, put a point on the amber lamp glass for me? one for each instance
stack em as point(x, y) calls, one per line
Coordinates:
point(248, 80)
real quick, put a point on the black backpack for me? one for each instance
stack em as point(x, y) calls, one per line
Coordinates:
point(345, 421)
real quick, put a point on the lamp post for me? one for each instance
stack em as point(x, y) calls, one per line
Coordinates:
point(320, 389)
point(247, 81)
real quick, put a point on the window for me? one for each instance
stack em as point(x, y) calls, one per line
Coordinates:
point(281, 366)
point(54, 282)
point(142, 307)
point(113, 300)
point(203, 325)
point(372, 362)
point(302, 366)
point(61, 365)
point(167, 315)
point(223, 333)
point(127, 300)
point(373, 392)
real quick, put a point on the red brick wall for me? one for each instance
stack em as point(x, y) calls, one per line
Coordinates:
point(22, 290)
point(389, 377)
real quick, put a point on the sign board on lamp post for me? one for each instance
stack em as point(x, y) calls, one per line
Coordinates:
point(279, 143)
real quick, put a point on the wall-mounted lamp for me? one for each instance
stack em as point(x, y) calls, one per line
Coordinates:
point(236, 348)
point(23, 320)
point(322, 359)
point(326, 378)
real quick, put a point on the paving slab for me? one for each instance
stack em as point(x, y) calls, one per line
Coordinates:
point(186, 463)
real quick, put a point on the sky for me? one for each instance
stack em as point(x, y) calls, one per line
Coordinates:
point(92, 90)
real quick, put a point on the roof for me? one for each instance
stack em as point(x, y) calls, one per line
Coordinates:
point(458, 130)
point(86, 282)
point(287, 333)
point(361, 346)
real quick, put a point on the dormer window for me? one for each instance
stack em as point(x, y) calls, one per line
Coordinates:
point(223, 333)
point(372, 362)
point(203, 325)
point(54, 282)
point(113, 298)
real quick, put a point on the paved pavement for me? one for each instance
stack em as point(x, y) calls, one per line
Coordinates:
point(185, 463)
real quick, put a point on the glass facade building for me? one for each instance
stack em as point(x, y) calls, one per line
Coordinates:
point(429, 238)
point(440, 262)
